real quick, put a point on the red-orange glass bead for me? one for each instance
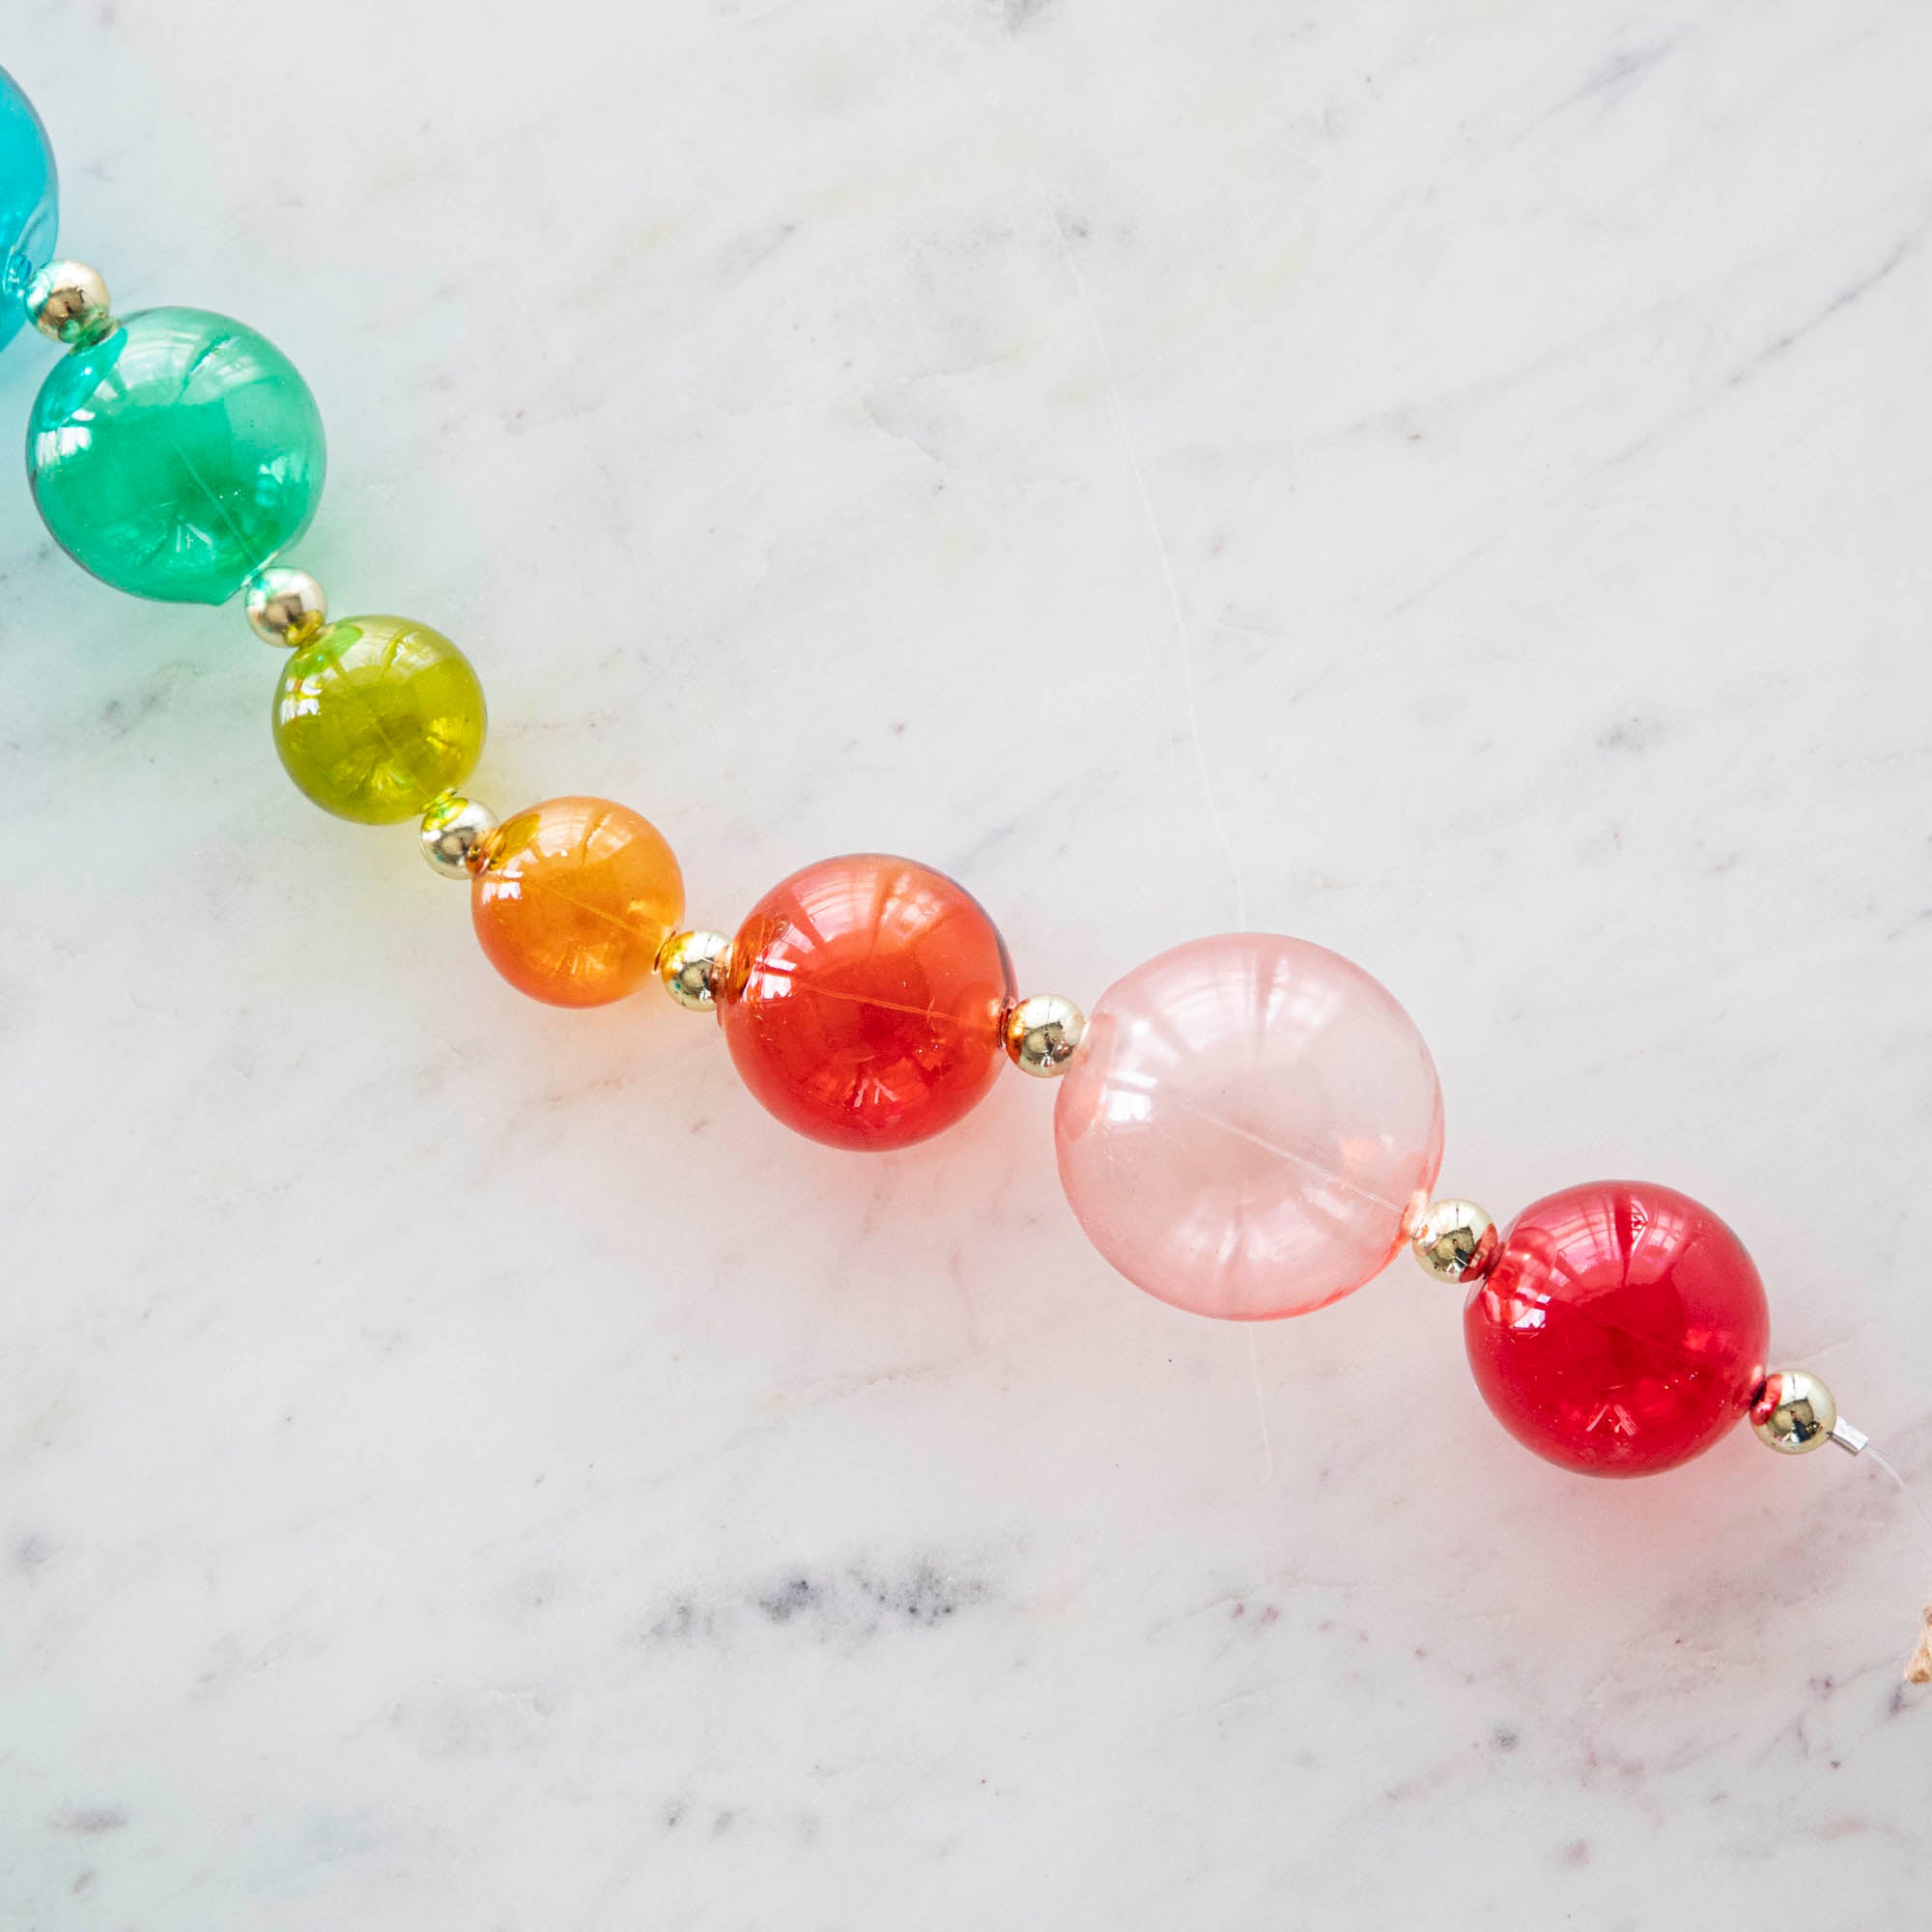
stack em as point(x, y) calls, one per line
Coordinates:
point(575, 900)
point(862, 1000)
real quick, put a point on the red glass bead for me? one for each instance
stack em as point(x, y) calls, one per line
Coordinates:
point(862, 1000)
point(1621, 1331)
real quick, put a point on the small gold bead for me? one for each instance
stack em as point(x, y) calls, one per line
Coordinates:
point(1793, 1411)
point(1042, 1034)
point(1455, 1240)
point(692, 965)
point(67, 301)
point(284, 605)
point(457, 836)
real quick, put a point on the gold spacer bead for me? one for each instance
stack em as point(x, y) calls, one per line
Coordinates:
point(458, 835)
point(1455, 1240)
point(692, 966)
point(1794, 1412)
point(67, 301)
point(1042, 1034)
point(284, 605)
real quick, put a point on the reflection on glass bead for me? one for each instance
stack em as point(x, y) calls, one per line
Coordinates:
point(864, 1000)
point(29, 200)
point(176, 456)
point(1247, 1126)
point(377, 717)
point(1622, 1330)
point(574, 900)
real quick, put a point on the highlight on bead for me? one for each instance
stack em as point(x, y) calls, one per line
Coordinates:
point(575, 900)
point(1455, 1240)
point(1042, 1034)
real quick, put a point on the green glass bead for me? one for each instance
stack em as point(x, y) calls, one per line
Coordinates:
point(176, 456)
point(377, 717)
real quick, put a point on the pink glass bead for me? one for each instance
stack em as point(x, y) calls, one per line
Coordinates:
point(1246, 1125)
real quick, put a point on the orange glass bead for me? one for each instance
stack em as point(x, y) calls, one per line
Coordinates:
point(575, 900)
point(862, 1000)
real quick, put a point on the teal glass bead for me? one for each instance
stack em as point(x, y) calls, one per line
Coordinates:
point(176, 456)
point(29, 200)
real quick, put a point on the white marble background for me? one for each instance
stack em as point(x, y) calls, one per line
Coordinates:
point(1448, 478)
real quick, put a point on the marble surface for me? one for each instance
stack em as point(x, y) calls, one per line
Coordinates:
point(1448, 480)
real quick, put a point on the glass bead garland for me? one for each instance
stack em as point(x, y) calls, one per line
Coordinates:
point(1248, 1127)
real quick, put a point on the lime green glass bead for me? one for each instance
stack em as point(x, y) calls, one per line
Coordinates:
point(176, 456)
point(377, 717)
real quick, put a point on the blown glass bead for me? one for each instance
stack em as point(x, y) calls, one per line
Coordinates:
point(1622, 1330)
point(175, 456)
point(29, 200)
point(575, 901)
point(376, 717)
point(864, 1000)
point(1246, 1125)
